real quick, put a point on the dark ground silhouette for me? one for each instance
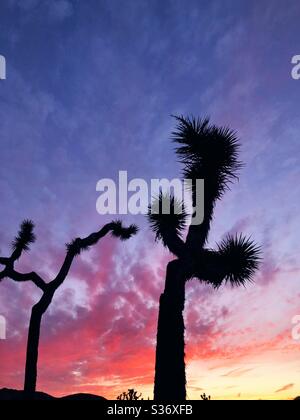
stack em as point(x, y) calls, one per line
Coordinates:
point(15, 395)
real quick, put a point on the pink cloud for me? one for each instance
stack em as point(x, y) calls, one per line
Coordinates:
point(285, 388)
point(109, 343)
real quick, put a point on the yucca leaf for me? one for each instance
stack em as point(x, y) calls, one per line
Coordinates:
point(25, 236)
point(166, 216)
point(207, 152)
point(121, 232)
point(241, 258)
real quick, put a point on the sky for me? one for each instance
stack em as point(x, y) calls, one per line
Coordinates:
point(90, 90)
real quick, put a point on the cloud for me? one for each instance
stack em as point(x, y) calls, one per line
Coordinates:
point(57, 10)
point(25, 5)
point(285, 388)
point(236, 373)
point(61, 9)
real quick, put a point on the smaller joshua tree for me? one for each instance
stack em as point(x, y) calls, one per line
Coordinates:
point(21, 244)
point(131, 395)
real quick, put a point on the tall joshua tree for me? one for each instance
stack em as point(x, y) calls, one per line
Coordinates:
point(21, 243)
point(210, 153)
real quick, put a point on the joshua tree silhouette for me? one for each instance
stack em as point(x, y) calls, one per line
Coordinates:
point(131, 394)
point(205, 397)
point(21, 243)
point(210, 153)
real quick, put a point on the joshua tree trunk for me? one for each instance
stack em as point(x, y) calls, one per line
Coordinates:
point(170, 368)
point(37, 313)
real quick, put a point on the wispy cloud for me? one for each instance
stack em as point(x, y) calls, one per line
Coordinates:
point(236, 372)
point(285, 388)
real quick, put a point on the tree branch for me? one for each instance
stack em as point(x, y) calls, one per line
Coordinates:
point(210, 267)
point(73, 249)
point(80, 244)
point(4, 260)
point(174, 243)
point(32, 276)
point(20, 244)
point(11, 273)
point(167, 217)
point(197, 234)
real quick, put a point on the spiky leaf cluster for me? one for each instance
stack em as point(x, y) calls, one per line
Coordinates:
point(25, 236)
point(167, 216)
point(123, 233)
point(242, 258)
point(207, 152)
